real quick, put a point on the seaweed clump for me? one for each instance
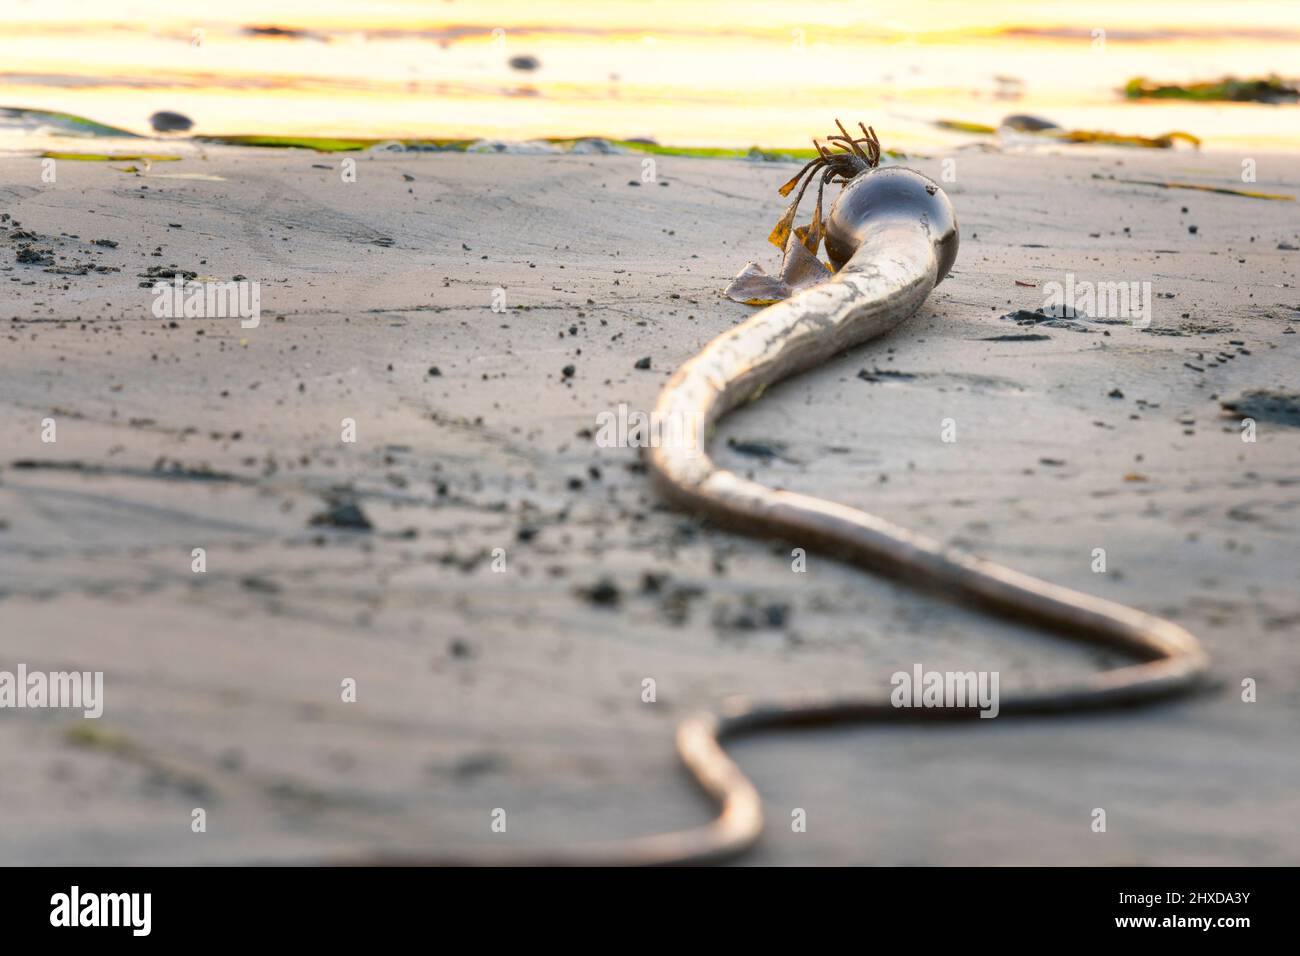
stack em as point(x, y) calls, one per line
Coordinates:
point(844, 160)
point(1269, 89)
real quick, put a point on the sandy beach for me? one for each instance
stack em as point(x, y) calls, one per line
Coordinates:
point(516, 582)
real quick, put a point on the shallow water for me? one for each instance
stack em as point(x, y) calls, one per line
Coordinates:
point(686, 72)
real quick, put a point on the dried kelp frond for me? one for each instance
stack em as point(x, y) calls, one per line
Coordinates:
point(1034, 126)
point(799, 269)
point(1106, 138)
point(1200, 187)
point(846, 158)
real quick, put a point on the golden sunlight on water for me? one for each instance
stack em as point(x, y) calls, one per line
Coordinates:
point(684, 72)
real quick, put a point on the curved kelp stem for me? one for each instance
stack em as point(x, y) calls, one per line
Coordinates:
point(891, 236)
point(898, 233)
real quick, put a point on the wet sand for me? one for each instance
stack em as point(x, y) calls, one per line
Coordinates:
point(521, 689)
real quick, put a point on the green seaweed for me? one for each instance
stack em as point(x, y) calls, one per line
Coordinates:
point(84, 735)
point(351, 144)
point(714, 152)
point(108, 157)
point(321, 144)
point(334, 144)
point(794, 155)
point(961, 126)
point(1269, 89)
point(329, 144)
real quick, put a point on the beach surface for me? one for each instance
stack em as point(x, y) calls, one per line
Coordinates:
point(519, 583)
